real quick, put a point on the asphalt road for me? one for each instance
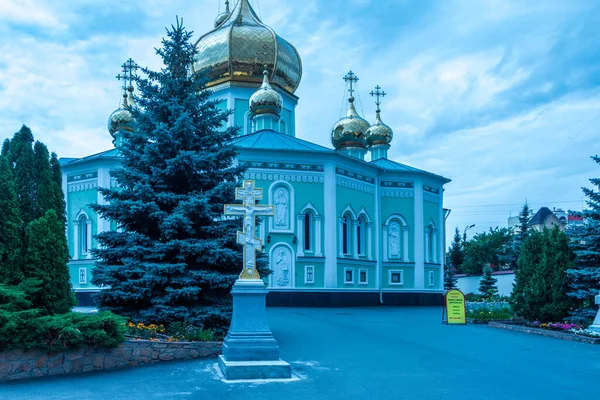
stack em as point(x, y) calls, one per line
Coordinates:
point(367, 353)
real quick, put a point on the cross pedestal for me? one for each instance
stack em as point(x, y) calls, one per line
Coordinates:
point(596, 325)
point(250, 351)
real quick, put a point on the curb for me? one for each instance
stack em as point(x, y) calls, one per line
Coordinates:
point(545, 332)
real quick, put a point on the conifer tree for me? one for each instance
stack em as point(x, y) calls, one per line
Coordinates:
point(449, 278)
point(540, 288)
point(10, 224)
point(46, 260)
point(519, 236)
point(176, 257)
point(22, 157)
point(487, 285)
point(585, 277)
point(456, 254)
point(46, 196)
point(58, 195)
point(524, 217)
point(5, 148)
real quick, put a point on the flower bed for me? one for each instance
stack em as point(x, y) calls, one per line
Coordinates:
point(483, 312)
point(558, 332)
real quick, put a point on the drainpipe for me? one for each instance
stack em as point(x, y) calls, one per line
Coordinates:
point(378, 237)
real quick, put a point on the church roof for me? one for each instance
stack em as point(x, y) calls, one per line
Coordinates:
point(270, 140)
point(112, 153)
point(390, 165)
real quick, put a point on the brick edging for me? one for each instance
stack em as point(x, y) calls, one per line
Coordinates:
point(545, 332)
point(20, 364)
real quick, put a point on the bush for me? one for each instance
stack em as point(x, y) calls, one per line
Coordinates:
point(27, 330)
point(489, 311)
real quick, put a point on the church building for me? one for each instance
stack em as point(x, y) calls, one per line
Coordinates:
point(351, 227)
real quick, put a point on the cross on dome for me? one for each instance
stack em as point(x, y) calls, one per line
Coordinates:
point(352, 78)
point(378, 94)
point(129, 67)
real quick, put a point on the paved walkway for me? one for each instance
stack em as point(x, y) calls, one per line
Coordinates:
point(368, 353)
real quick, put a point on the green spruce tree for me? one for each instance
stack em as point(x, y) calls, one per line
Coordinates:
point(176, 258)
point(46, 260)
point(22, 158)
point(10, 226)
point(487, 284)
point(449, 278)
point(540, 289)
point(58, 195)
point(585, 277)
point(456, 253)
point(5, 148)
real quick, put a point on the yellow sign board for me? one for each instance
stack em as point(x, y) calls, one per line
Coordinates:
point(455, 307)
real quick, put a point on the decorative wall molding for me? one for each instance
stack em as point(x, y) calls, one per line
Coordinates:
point(353, 185)
point(431, 198)
point(402, 185)
point(82, 177)
point(283, 166)
point(287, 177)
point(354, 175)
point(406, 194)
point(82, 187)
point(431, 189)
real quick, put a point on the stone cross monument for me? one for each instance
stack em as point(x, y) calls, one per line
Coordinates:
point(250, 210)
point(596, 325)
point(250, 351)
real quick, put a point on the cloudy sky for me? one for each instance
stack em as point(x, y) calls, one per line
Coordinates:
point(501, 96)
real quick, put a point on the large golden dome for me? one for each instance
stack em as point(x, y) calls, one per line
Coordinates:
point(241, 47)
point(350, 130)
point(379, 133)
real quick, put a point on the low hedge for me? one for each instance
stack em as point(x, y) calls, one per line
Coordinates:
point(27, 330)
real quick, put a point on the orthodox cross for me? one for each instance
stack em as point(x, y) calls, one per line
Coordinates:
point(378, 93)
point(129, 68)
point(250, 210)
point(352, 78)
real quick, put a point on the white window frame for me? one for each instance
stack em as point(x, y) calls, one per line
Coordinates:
point(306, 269)
point(393, 271)
point(431, 278)
point(346, 281)
point(366, 271)
point(84, 280)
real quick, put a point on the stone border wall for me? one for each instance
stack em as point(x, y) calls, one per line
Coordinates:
point(19, 364)
point(544, 332)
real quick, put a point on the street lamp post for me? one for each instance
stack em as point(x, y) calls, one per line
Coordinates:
point(465, 232)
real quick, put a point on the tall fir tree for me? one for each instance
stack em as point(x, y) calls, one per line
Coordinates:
point(450, 280)
point(176, 257)
point(519, 236)
point(5, 148)
point(59, 197)
point(22, 157)
point(456, 253)
point(10, 225)
point(524, 217)
point(46, 260)
point(585, 277)
point(541, 290)
point(46, 195)
point(488, 284)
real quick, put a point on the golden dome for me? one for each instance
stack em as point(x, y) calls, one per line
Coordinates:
point(379, 133)
point(241, 47)
point(350, 130)
point(121, 119)
point(223, 16)
point(266, 100)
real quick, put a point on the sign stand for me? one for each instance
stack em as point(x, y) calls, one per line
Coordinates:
point(454, 312)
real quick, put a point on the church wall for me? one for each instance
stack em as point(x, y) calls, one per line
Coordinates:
point(240, 111)
point(405, 207)
point(406, 271)
point(76, 202)
point(436, 277)
point(431, 211)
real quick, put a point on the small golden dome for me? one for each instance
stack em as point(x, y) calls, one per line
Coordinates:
point(266, 100)
point(350, 130)
point(379, 133)
point(121, 119)
point(223, 16)
point(239, 48)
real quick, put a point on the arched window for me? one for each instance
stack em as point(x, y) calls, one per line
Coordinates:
point(282, 127)
point(83, 235)
point(308, 223)
point(346, 235)
point(360, 236)
point(430, 242)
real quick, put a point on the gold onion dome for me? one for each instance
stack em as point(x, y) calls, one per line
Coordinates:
point(266, 100)
point(223, 16)
point(350, 130)
point(121, 119)
point(239, 49)
point(379, 133)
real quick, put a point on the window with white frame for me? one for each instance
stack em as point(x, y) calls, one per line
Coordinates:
point(360, 237)
point(430, 244)
point(346, 226)
point(431, 278)
point(363, 276)
point(309, 274)
point(308, 226)
point(83, 235)
point(396, 277)
point(82, 275)
point(348, 275)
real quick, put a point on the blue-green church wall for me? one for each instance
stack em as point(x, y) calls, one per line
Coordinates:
point(406, 208)
point(319, 274)
point(408, 272)
point(436, 275)
point(241, 107)
point(431, 212)
point(77, 202)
